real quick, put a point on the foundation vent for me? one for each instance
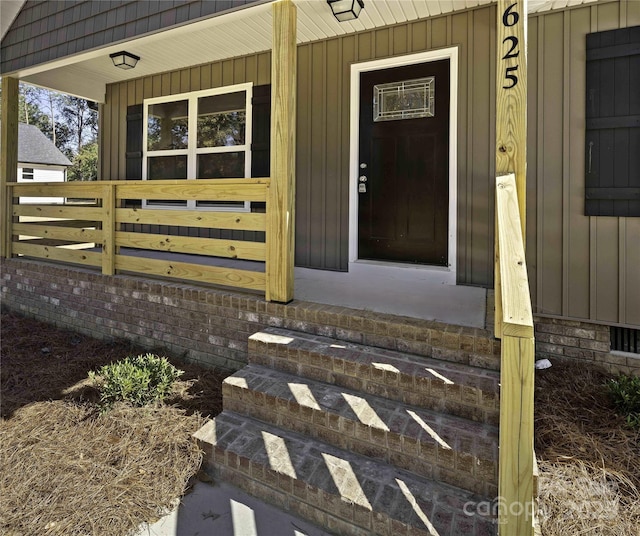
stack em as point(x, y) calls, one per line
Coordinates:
point(625, 340)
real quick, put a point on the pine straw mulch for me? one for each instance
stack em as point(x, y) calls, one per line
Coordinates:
point(589, 462)
point(67, 470)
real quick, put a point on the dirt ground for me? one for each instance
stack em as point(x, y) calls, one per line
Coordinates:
point(66, 470)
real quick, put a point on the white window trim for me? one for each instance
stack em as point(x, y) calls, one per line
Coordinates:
point(192, 151)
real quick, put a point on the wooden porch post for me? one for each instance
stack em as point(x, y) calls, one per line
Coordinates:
point(281, 195)
point(9, 160)
point(511, 115)
point(515, 484)
point(511, 97)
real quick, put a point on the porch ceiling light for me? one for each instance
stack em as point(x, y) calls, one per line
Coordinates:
point(124, 60)
point(346, 9)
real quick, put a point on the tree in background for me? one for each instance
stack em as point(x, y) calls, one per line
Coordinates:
point(69, 122)
point(85, 164)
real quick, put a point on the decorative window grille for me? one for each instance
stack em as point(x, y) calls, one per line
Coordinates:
point(409, 99)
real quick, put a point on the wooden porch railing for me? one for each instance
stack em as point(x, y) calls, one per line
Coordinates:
point(514, 324)
point(93, 234)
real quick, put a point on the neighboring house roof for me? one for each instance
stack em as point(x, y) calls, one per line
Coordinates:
point(35, 148)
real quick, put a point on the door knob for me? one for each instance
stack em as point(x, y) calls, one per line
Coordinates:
point(362, 178)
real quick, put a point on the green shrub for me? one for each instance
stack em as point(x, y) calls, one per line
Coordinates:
point(625, 394)
point(137, 380)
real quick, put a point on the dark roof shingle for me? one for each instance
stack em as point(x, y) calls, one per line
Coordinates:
point(35, 148)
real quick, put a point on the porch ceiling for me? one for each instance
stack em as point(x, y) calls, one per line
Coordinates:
point(238, 33)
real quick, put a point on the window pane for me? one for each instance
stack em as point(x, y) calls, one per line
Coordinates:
point(221, 165)
point(222, 120)
point(167, 167)
point(167, 126)
point(404, 100)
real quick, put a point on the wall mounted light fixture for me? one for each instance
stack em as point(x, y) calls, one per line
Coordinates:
point(346, 9)
point(124, 60)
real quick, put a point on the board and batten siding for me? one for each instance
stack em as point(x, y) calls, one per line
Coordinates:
point(580, 267)
point(585, 267)
point(322, 197)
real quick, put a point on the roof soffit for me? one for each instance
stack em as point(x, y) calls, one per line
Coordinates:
point(216, 38)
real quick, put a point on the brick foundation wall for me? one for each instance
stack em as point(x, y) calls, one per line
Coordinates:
point(206, 325)
point(576, 341)
point(212, 326)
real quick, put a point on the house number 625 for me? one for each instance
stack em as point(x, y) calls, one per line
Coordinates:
point(510, 17)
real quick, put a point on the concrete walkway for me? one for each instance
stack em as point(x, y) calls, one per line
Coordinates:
point(224, 510)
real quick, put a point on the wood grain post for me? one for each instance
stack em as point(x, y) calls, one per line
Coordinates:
point(281, 195)
point(108, 228)
point(516, 462)
point(511, 97)
point(511, 113)
point(9, 160)
point(516, 467)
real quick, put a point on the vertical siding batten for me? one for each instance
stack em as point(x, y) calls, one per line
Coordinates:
point(122, 129)
point(552, 209)
point(566, 162)
point(578, 232)
point(303, 166)
point(538, 304)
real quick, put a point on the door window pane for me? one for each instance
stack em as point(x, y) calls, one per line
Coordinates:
point(404, 100)
point(222, 120)
point(167, 126)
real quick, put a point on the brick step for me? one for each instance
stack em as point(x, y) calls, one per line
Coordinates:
point(471, 346)
point(339, 490)
point(453, 388)
point(441, 447)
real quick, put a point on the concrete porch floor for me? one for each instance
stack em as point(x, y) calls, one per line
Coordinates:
point(395, 289)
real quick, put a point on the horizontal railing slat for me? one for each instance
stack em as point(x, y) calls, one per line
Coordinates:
point(244, 221)
point(58, 233)
point(194, 272)
point(234, 249)
point(77, 256)
point(70, 212)
point(192, 190)
point(57, 189)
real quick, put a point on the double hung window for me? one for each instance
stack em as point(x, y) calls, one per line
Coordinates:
point(198, 135)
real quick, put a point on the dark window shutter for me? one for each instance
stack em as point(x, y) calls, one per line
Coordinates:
point(261, 132)
point(612, 141)
point(133, 155)
point(134, 142)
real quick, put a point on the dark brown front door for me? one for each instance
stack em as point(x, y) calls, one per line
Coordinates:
point(403, 185)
